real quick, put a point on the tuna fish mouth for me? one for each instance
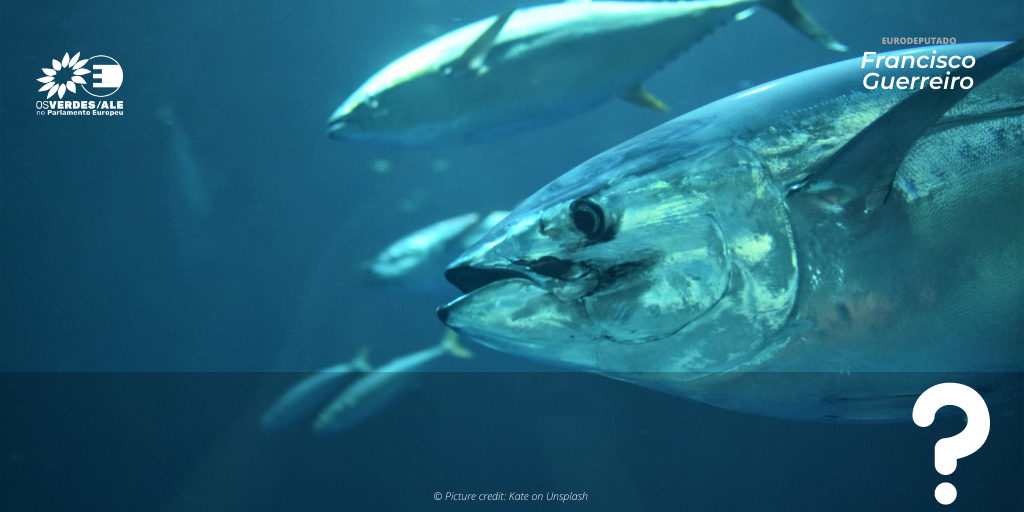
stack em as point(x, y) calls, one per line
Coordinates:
point(469, 279)
point(562, 281)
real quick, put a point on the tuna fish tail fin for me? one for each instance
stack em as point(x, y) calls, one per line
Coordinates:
point(451, 343)
point(362, 362)
point(799, 19)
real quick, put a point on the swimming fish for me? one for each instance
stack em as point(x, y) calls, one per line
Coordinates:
point(188, 200)
point(533, 66)
point(369, 394)
point(311, 392)
point(417, 261)
point(806, 249)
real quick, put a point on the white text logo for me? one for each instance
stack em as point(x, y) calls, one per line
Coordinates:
point(99, 76)
point(62, 77)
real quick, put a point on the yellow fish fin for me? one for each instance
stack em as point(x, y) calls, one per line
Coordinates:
point(451, 342)
point(638, 96)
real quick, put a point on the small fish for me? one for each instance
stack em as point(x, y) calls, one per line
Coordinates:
point(534, 66)
point(806, 249)
point(188, 200)
point(417, 261)
point(311, 392)
point(369, 394)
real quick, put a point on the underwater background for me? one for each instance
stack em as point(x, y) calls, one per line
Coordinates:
point(166, 274)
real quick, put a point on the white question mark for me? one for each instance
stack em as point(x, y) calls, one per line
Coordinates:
point(949, 449)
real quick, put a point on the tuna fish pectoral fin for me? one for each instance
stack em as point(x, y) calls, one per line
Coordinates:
point(451, 343)
point(796, 16)
point(867, 164)
point(638, 96)
point(473, 56)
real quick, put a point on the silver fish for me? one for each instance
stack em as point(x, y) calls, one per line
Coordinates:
point(807, 249)
point(417, 261)
point(188, 200)
point(311, 392)
point(369, 394)
point(533, 66)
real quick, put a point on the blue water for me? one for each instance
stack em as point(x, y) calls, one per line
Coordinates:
point(232, 246)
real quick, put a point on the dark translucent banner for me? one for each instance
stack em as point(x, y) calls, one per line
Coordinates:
point(193, 442)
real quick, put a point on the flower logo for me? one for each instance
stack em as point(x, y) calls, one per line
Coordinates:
point(72, 67)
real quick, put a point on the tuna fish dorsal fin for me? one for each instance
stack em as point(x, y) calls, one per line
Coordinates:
point(638, 96)
point(796, 16)
point(867, 164)
point(473, 56)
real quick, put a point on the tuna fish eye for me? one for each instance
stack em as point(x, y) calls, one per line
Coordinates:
point(589, 219)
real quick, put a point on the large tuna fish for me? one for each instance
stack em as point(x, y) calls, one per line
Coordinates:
point(807, 249)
